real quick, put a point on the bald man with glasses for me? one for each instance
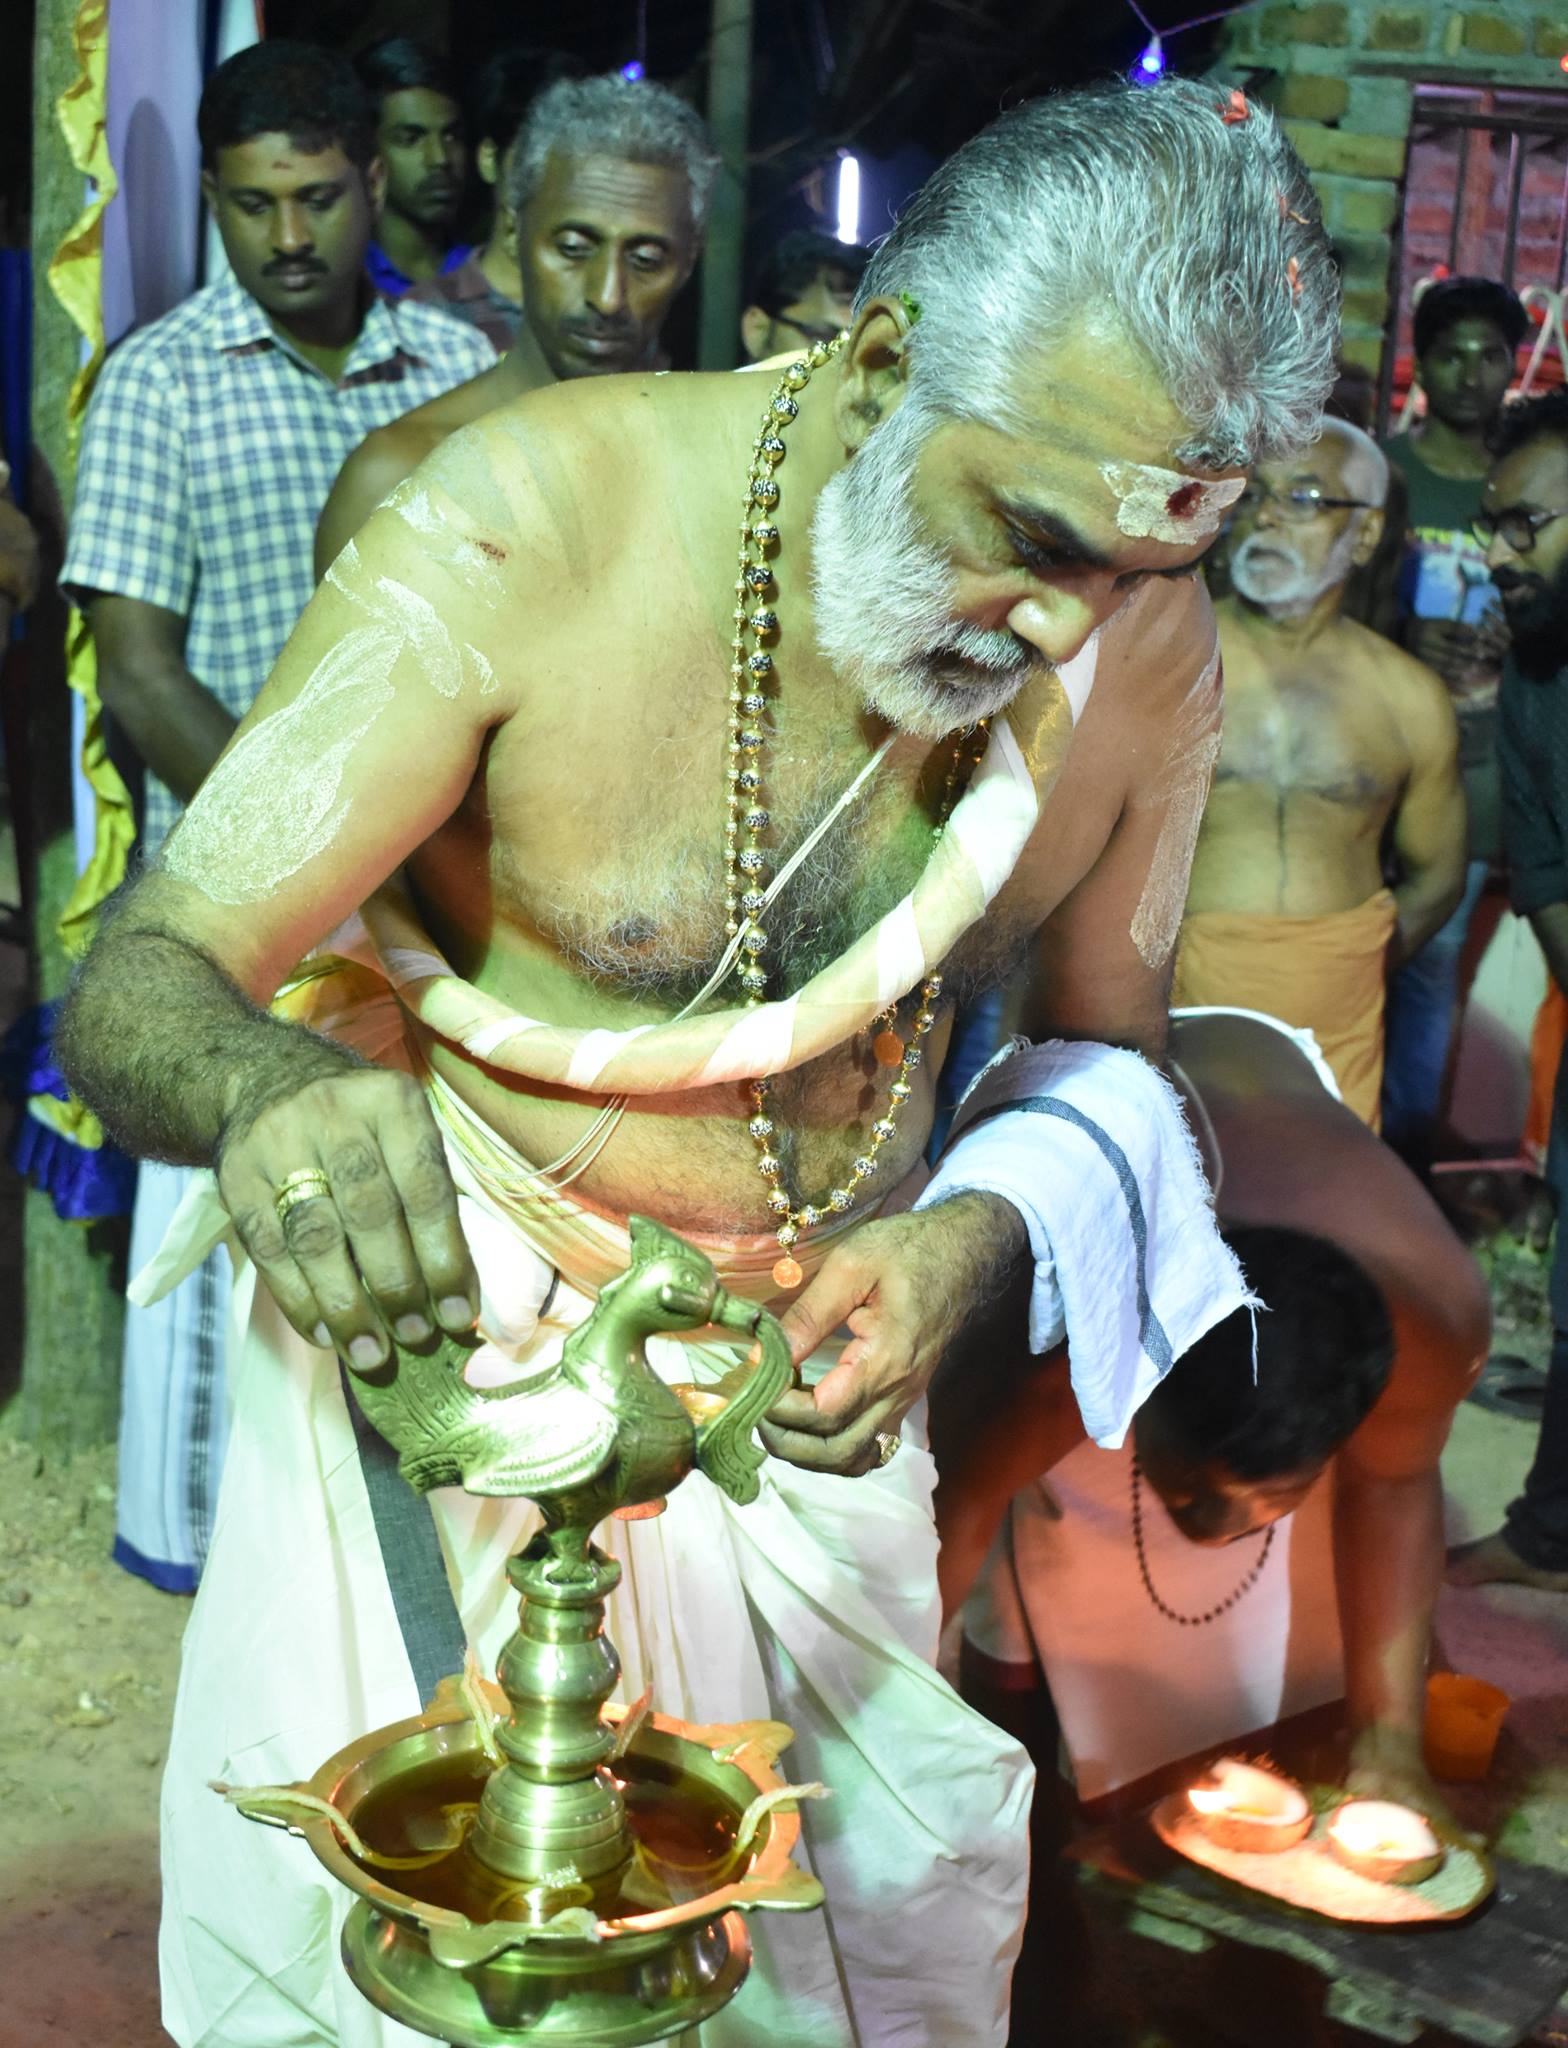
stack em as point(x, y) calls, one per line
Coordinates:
point(1332, 736)
point(1523, 525)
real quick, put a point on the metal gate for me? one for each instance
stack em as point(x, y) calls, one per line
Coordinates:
point(1485, 195)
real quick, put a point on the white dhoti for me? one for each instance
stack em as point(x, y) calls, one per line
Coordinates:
point(174, 1402)
point(816, 1605)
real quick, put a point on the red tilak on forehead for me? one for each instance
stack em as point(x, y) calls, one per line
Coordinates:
point(1183, 501)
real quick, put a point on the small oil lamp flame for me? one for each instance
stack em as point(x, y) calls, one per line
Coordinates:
point(1209, 1799)
point(1243, 1806)
point(1389, 1843)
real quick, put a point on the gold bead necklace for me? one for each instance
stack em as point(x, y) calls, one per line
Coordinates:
point(752, 680)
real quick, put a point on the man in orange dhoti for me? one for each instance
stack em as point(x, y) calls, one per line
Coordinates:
point(1332, 734)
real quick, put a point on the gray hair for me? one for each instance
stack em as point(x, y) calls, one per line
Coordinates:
point(1197, 238)
point(633, 119)
point(1366, 466)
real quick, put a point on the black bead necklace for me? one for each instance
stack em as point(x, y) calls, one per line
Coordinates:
point(1172, 1614)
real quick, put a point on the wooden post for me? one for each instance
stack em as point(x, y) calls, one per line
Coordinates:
point(71, 1276)
point(729, 95)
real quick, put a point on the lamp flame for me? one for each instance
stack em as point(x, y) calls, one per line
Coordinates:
point(1247, 1792)
point(1211, 1799)
point(1377, 1827)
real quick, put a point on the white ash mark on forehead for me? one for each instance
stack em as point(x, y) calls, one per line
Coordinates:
point(1165, 505)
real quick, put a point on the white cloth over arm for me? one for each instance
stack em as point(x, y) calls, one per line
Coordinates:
point(1090, 1145)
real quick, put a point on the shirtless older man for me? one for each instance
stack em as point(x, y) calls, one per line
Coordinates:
point(1331, 736)
point(608, 182)
point(608, 764)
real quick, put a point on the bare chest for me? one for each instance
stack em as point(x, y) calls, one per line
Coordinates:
point(603, 844)
point(1316, 733)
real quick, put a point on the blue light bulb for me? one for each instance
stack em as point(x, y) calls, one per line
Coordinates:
point(1152, 62)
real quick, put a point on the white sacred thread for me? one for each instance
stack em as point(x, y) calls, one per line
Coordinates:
point(1164, 505)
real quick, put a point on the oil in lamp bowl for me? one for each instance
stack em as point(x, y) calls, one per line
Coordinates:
point(1243, 1807)
point(1388, 1843)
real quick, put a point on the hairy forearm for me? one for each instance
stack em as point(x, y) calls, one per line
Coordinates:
point(1550, 925)
point(170, 1053)
point(1422, 903)
point(1388, 1566)
point(174, 722)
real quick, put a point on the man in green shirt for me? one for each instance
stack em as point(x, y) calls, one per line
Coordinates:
point(1467, 330)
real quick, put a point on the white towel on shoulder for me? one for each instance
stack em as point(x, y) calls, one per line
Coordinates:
point(1090, 1145)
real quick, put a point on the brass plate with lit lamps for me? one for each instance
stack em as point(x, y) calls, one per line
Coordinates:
point(1309, 1876)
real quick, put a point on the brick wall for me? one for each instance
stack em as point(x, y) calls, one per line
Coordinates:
point(1343, 77)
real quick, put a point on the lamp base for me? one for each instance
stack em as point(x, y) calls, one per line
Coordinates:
point(593, 1996)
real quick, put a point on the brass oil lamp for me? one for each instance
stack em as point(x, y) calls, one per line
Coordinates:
point(530, 1862)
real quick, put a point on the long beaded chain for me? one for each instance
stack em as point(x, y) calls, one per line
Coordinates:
point(747, 820)
point(1171, 1613)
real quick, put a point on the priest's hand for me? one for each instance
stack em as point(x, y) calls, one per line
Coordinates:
point(905, 1287)
point(340, 1192)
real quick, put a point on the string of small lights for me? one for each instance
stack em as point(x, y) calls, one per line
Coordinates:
point(1151, 62)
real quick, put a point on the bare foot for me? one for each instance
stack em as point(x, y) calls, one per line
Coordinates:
point(1492, 1560)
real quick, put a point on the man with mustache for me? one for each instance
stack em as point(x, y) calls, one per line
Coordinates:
point(641, 727)
point(210, 446)
point(420, 140)
point(1523, 525)
point(1331, 736)
point(608, 183)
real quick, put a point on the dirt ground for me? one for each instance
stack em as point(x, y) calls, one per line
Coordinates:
point(87, 1665)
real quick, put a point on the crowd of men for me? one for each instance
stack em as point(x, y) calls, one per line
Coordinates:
point(366, 423)
point(322, 372)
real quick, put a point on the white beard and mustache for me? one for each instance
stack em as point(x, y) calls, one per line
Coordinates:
point(883, 597)
point(1287, 588)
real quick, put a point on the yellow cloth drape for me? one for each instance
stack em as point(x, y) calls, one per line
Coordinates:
point(75, 277)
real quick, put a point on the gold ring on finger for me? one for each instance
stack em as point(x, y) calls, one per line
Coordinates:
point(309, 1184)
point(888, 1447)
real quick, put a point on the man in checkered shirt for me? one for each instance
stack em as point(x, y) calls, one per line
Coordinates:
point(210, 446)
